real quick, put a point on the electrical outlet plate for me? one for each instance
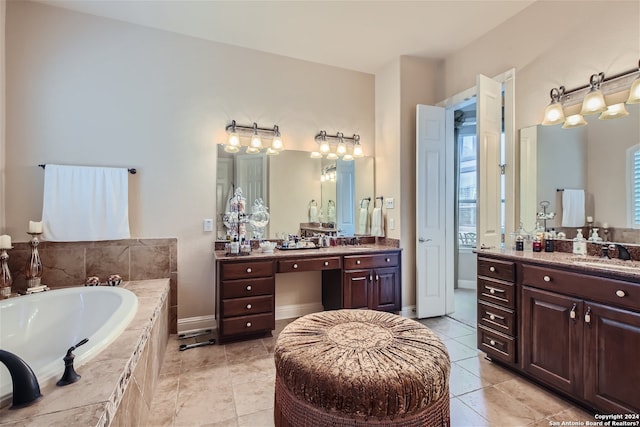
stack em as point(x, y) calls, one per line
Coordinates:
point(388, 203)
point(207, 224)
point(392, 224)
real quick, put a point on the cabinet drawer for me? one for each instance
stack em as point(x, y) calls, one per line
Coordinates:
point(599, 289)
point(499, 318)
point(355, 262)
point(241, 270)
point(309, 264)
point(246, 287)
point(246, 306)
point(500, 293)
point(248, 324)
point(496, 345)
point(496, 269)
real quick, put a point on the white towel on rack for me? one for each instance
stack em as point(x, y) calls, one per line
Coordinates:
point(573, 208)
point(83, 203)
point(363, 220)
point(377, 223)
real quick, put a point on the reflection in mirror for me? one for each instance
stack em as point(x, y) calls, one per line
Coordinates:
point(287, 183)
point(595, 158)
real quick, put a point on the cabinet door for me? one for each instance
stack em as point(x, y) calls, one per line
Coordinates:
point(552, 338)
point(612, 346)
point(386, 289)
point(356, 289)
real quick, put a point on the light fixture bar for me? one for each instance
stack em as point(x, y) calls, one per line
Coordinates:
point(335, 139)
point(249, 130)
point(255, 133)
point(608, 84)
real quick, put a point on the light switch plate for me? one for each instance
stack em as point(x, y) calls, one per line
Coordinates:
point(388, 203)
point(392, 224)
point(207, 224)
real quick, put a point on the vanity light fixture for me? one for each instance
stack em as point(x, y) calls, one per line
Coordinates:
point(256, 133)
point(347, 147)
point(554, 113)
point(594, 100)
point(591, 97)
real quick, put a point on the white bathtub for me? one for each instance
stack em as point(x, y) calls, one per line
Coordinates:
point(40, 328)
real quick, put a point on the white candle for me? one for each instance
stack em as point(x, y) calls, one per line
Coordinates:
point(589, 219)
point(35, 226)
point(5, 241)
point(605, 225)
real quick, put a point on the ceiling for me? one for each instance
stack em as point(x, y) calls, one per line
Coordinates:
point(357, 35)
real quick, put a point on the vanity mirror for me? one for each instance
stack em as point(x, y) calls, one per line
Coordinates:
point(596, 158)
point(287, 183)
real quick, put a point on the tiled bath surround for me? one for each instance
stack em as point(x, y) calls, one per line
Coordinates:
point(117, 385)
point(70, 263)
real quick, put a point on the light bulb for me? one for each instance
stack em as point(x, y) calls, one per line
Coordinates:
point(574, 121)
point(554, 114)
point(276, 144)
point(332, 156)
point(614, 111)
point(231, 148)
point(315, 155)
point(634, 92)
point(256, 141)
point(341, 149)
point(347, 157)
point(594, 100)
point(272, 152)
point(357, 150)
point(252, 150)
point(233, 139)
point(324, 147)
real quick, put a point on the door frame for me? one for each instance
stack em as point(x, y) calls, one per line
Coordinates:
point(454, 102)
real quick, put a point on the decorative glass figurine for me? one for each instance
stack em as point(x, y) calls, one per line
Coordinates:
point(259, 218)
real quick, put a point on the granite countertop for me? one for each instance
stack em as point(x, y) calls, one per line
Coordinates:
point(587, 263)
point(307, 253)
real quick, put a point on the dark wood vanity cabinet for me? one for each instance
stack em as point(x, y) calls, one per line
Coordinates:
point(372, 281)
point(579, 334)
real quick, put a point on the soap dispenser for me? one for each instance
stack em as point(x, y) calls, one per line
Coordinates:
point(579, 244)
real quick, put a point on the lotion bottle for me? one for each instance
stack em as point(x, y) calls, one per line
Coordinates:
point(579, 244)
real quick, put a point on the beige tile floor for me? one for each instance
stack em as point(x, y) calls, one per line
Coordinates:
point(232, 385)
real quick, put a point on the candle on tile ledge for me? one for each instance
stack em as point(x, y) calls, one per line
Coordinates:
point(5, 241)
point(35, 227)
point(589, 219)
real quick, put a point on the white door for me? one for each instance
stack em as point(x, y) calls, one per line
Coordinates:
point(434, 210)
point(251, 176)
point(489, 129)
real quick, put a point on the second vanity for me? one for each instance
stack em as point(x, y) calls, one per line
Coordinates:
point(366, 276)
point(568, 322)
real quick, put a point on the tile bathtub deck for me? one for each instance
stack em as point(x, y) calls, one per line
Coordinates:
point(232, 386)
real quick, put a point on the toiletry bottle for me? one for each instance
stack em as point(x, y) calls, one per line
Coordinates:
point(235, 246)
point(537, 244)
point(549, 241)
point(519, 243)
point(579, 244)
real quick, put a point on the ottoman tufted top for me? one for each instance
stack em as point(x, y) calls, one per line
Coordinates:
point(362, 363)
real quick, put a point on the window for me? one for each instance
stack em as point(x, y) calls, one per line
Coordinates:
point(467, 190)
point(633, 180)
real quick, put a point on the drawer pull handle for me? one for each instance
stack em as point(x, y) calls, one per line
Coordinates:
point(587, 317)
point(249, 270)
point(492, 269)
point(377, 278)
point(358, 261)
point(493, 290)
point(387, 260)
point(371, 278)
point(572, 314)
point(621, 293)
point(492, 342)
point(248, 324)
point(249, 287)
point(494, 316)
point(546, 278)
point(326, 263)
point(295, 265)
point(248, 306)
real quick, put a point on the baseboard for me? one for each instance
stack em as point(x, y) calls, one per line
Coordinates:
point(297, 310)
point(197, 323)
point(409, 311)
point(467, 284)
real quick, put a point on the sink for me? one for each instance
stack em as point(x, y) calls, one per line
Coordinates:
point(609, 265)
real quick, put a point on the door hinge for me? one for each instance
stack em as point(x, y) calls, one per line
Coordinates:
point(502, 169)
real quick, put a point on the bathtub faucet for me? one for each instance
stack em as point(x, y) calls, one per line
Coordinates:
point(26, 389)
point(70, 375)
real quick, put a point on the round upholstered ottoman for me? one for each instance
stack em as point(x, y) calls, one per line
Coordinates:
point(360, 368)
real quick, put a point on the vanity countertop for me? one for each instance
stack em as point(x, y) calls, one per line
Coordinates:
point(308, 253)
point(629, 270)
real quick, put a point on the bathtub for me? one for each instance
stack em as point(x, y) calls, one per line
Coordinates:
point(41, 327)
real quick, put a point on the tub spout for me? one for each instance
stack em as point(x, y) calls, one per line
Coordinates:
point(26, 389)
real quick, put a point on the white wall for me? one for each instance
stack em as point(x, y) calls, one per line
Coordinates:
point(88, 90)
point(3, 8)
